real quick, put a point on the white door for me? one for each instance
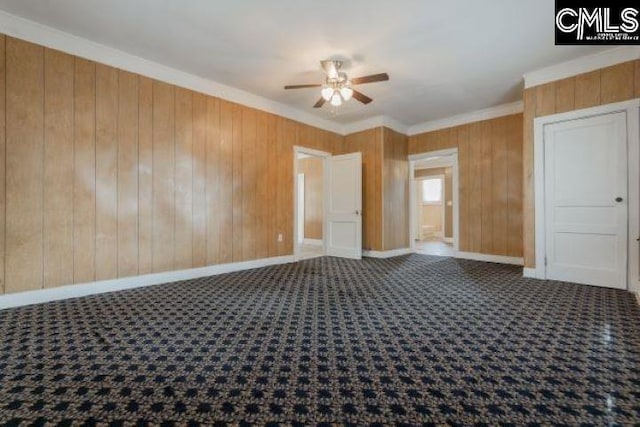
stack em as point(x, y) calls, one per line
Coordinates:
point(586, 200)
point(344, 208)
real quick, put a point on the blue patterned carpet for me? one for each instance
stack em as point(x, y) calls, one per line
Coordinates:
point(412, 340)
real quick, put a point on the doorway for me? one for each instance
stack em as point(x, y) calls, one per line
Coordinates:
point(434, 203)
point(309, 202)
point(586, 169)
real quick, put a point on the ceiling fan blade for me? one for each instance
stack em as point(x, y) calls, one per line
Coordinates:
point(320, 103)
point(370, 79)
point(361, 97)
point(301, 86)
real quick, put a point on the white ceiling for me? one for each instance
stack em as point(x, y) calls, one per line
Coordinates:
point(444, 57)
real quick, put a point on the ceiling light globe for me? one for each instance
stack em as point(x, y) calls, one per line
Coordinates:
point(336, 99)
point(326, 92)
point(346, 93)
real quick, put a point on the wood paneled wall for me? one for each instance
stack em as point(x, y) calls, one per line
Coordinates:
point(313, 172)
point(395, 183)
point(370, 144)
point(385, 187)
point(490, 181)
point(111, 174)
point(617, 83)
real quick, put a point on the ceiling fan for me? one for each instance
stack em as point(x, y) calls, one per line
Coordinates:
point(338, 87)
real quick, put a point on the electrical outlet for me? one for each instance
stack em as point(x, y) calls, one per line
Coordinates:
point(280, 238)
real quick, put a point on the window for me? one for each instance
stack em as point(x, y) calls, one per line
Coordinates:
point(432, 191)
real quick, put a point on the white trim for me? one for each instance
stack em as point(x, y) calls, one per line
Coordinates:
point(92, 288)
point(529, 272)
point(374, 122)
point(388, 254)
point(313, 242)
point(447, 240)
point(34, 32)
point(473, 116)
point(452, 154)
point(297, 149)
point(581, 65)
point(638, 297)
point(632, 108)
point(500, 259)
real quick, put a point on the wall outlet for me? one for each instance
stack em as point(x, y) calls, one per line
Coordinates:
point(280, 238)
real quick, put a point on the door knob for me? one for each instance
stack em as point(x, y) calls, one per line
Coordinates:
point(619, 199)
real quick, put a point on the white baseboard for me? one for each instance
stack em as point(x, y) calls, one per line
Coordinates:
point(500, 259)
point(638, 297)
point(388, 254)
point(92, 288)
point(313, 242)
point(448, 240)
point(529, 272)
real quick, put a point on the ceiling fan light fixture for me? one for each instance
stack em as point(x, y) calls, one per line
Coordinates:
point(326, 92)
point(346, 93)
point(336, 99)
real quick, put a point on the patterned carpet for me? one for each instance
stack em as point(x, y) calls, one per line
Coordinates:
point(403, 341)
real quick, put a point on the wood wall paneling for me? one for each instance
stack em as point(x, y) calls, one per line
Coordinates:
point(395, 195)
point(528, 208)
point(464, 183)
point(84, 170)
point(145, 175)
point(24, 165)
point(212, 155)
point(261, 178)
point(499, 189)
point(272, 188)
point(587, 90)
point(617, 83)
point(226, 176)
point(514, 188)
point(490, 182)
point(163, 177)
point(106, 172)
point(184, 179)
point(199, 199)
point(248, 167)
point(58, 168)
point(127, 174)
point(565, 95)
point(112, 174)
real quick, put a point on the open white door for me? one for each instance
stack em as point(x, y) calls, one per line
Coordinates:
point(586, 200)
point(344, 208)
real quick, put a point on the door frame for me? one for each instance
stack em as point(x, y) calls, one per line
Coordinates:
point(297, 149)
point(451, 160)
point(632, 110)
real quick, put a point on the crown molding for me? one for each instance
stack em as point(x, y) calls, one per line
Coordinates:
point(374, 122)
point(581, 65)
point(34, 32)
point(461, 119)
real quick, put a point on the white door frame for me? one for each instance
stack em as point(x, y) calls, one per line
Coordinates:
point(632, 110)
point(450, 160)
point(325, 196)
